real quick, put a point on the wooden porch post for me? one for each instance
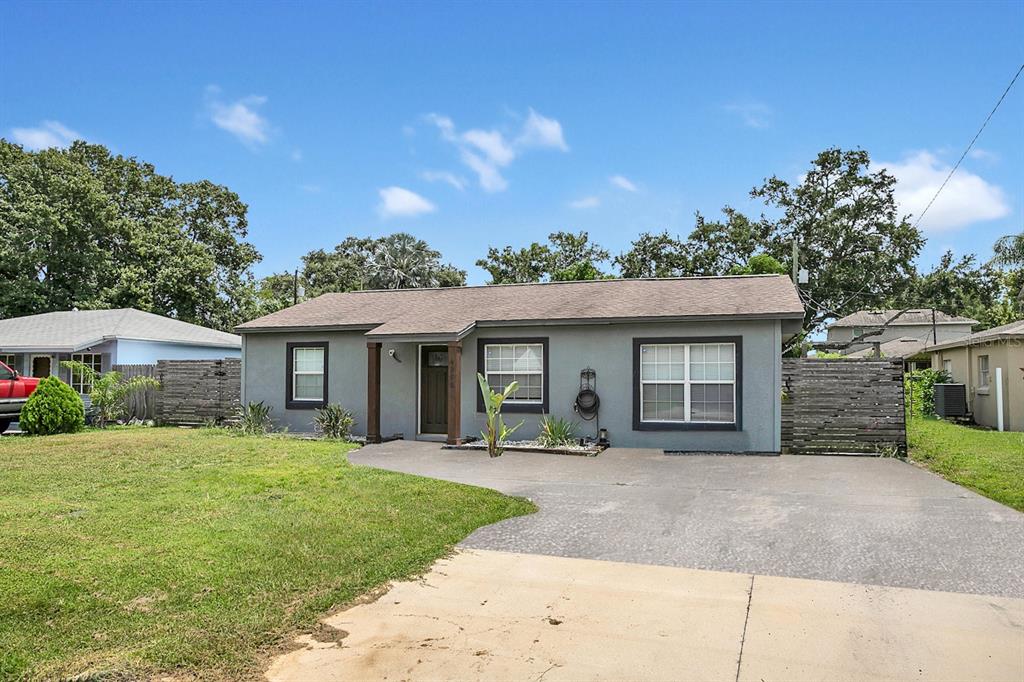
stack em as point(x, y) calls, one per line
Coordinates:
point(372, 392)
point(455, 393)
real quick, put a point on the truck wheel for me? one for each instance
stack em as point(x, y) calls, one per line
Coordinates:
point(4, 423)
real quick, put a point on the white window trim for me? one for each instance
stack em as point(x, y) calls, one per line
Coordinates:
point(687, 382)
point(79, 383)
point(539, 372)
point(296, 372)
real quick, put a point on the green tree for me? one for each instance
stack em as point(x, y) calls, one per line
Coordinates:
point(858, 250)
point(400, 261)
point(655, 255)
point(84, 228)
point(567, 256)
point(718, 246)
point(396, 261)
point(962, 287)
point(761, 264)
point(1009, 251)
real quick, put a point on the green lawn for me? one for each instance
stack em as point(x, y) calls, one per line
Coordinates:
point(988, 462)
point(138, 551)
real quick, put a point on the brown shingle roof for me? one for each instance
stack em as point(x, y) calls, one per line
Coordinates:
point(903, 347)
point(869, 318)
point(453, 311)
point(1014, 330)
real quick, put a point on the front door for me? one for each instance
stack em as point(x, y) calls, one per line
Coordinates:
point(433, 389)
point(42, 366)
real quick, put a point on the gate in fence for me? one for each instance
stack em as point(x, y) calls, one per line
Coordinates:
point(839, 407)
point(194, 392)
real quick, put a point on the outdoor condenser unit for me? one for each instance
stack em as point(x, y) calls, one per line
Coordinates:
point(950, 400)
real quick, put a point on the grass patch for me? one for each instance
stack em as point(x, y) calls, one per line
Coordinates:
point(142, 551)
point(988, 462)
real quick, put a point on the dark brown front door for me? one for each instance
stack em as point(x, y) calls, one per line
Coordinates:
point(41, 365)
point(433, 389)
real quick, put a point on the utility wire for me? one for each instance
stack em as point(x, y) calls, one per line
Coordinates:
point(964, 155)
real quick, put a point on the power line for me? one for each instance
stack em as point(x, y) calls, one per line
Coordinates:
point(964, 155)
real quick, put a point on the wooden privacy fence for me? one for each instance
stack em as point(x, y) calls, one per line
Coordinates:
point(193, 392)
point(840, 407)
point(141, 404)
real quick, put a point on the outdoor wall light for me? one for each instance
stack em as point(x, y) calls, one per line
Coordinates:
point(393, 353)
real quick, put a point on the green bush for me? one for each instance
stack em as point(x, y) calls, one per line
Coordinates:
point(919, 386)
point(54, 407)
point(556, 432)
point(334, 421)
point(254, 419)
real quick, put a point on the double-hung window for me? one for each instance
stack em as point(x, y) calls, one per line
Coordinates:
point(9, 359)
point(307, 375)
point(79, 379)
point(687, 385)
point(516, 360)
point(983, 373)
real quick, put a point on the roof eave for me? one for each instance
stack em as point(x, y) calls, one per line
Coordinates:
point(973, 341)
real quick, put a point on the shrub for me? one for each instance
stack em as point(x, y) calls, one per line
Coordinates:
point(254, 419)
point(919, 386)
point(556, 432)
point(54, 407)
point(334, 421)
point(497, 432)
point(108, 397)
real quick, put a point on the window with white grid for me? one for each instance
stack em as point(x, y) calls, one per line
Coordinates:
point(308, 373)
point(688, 383)
point(519, 362)
point(79, 379)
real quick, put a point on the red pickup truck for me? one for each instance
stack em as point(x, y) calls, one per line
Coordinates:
point(14, 391)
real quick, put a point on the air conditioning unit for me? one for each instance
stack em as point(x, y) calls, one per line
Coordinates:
point(950, 400)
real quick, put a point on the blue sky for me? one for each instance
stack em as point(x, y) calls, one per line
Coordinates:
point(477, 125)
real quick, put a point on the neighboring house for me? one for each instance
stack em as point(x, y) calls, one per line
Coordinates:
point(904, 338)
point(35, 345)
point(972, 360)
point(682, 364)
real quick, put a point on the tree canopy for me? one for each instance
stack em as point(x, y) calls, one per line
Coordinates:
point(566, 256)
point(84, 228)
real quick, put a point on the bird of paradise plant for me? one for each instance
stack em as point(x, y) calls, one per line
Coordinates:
point(497, 432)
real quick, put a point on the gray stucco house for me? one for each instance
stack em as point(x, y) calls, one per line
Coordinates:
point(35, 345)
point(904, 337)
point(688, 364)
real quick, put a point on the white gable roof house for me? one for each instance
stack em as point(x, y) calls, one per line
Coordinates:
point(35, 345)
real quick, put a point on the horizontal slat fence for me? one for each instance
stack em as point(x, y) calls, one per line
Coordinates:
point(843, 407)
point(141, 404)
point(194, 392)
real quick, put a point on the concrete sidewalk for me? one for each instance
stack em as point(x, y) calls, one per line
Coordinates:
point(495, 615)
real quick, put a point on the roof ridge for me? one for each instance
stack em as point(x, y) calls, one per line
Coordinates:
point(550, 283)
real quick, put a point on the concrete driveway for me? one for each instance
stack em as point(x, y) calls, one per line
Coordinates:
point(855, 520)
point(482, 615)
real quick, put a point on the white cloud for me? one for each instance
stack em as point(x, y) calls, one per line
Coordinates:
point(585, 202)
point(540, 131)
point(622, 182)
point(296, 155)
point(490, 178)
point(983, 155)
point(311, 189)
point(400, 202)
point(456, 181)
point(966, 199)
point(240, 117)
point(486, 152)
point(753, 114)
point(48, 134)
point(492, 144)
